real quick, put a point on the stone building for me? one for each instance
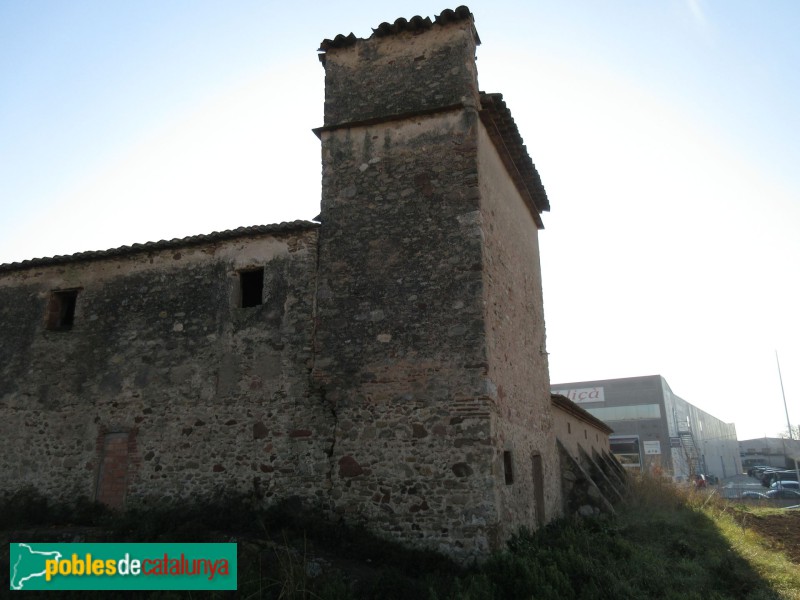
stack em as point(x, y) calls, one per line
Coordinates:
point(592, 480)
point(386, 364)
point(578, 430)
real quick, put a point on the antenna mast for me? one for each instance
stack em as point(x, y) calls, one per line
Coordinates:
point(788, 423)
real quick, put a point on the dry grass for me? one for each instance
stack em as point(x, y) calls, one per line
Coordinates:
point(666, 542)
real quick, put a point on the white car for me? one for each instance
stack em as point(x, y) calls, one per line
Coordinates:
point(784, 485)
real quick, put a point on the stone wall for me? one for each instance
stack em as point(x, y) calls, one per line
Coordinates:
point(401, 356)
point(522, 423)
point(163, 383)
point(578, 430)
point(393, 370)
point(400, 340)
point(592, 480)
point(409, 72)
point(430, 340)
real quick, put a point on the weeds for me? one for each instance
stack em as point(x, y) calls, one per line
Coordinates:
point(27, 507)
point(666, 543)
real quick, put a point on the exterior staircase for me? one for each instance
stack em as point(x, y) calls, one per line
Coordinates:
point(691, 452)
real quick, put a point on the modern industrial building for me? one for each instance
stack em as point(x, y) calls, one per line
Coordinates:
point(771, 452)
point(655, 430)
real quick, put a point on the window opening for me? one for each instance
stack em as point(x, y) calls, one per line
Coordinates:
point(61, 310)
point(508, 467)
point(626, 450)
point(252, 287)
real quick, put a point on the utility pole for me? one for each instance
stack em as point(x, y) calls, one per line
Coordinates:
point(788, 423)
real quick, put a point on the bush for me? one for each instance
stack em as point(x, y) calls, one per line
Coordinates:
point(28, 507)
point(664, 542)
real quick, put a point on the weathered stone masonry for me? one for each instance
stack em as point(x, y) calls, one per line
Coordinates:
point(211, 395)
point(392, 368)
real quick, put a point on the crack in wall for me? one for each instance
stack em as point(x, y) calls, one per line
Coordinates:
point(330, 450)
point(314, 385)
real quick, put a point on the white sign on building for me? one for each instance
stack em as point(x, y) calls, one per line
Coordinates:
point(583, 395)
point(652, 447)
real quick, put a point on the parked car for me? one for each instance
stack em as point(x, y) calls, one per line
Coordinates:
point(784, 494)
point(785, 485)
point(757, 471)
point(770, 477)
point(754, 495)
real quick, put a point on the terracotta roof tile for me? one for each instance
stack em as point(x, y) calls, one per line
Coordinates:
point(193, 240)
point(415, 23)
point(504, 132)
point(569, 406)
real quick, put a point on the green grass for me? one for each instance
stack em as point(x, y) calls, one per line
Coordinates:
point(664, 543)
point(733, 523)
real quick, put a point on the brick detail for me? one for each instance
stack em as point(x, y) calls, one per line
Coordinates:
point(112, 479)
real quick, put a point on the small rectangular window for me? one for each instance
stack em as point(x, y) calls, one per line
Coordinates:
point(508, 466)
point(252, 287)
point(61, 310)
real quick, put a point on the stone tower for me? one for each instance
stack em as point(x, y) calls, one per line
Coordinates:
point(430, 343)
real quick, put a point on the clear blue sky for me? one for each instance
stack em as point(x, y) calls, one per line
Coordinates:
point(666, 134)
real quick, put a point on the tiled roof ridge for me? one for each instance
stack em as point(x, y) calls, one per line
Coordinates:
point(569, 406)
point(506, 127)
point(191, 240)
point(415, 23)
